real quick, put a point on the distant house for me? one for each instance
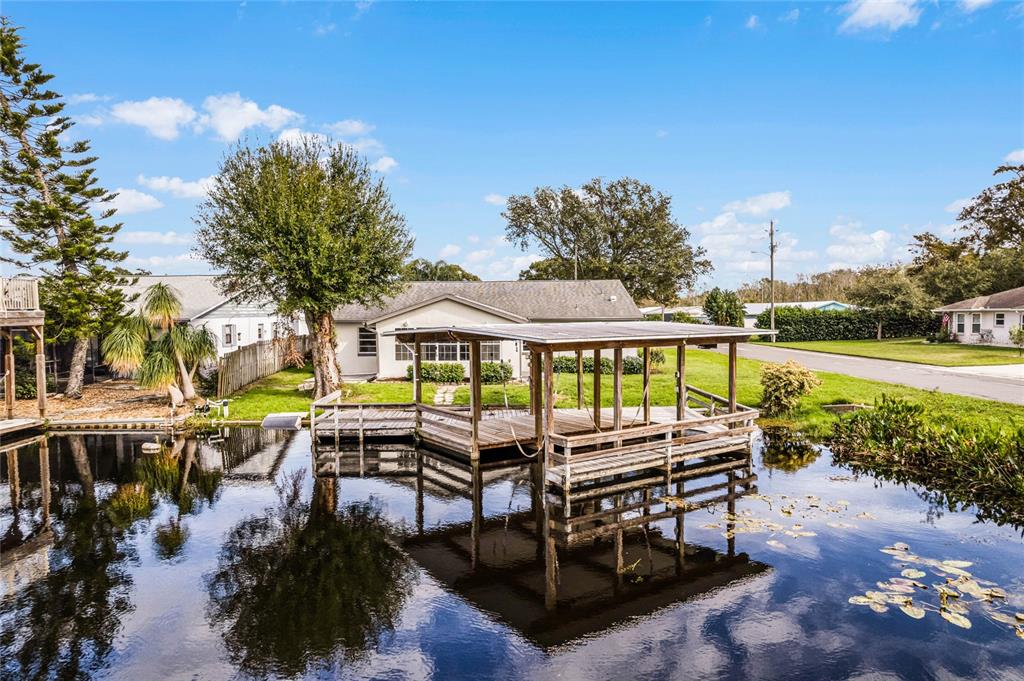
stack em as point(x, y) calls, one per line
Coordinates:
point(985, 319)
point(363, 350)
point(667, 313)
point(751, 311)
point(233, 323)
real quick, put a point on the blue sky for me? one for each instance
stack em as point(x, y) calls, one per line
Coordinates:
point(853, 124)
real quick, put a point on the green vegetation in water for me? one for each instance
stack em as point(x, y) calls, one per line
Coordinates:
point(169, 539)
point(956, 598)
point(968, 464)
point(129, 503)
point(786, 450)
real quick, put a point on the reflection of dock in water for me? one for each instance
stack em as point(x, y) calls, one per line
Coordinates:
point(569, 565)
point(25, 554)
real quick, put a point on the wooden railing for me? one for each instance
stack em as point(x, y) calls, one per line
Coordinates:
point(20, 293)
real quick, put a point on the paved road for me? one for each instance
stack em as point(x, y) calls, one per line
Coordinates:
point(947, 380)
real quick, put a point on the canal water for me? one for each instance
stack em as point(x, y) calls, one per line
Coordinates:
point(240, 554)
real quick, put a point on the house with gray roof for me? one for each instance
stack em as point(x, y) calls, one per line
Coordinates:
point(233, 323)
point(363, 350)
point(986, 319)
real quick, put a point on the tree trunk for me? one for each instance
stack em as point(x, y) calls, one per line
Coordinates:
point(878, 328)
point(80, 459)
point(76, 380)
point(188, 388)
point(326, 374)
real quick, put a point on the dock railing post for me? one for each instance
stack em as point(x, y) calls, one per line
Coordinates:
point(597, 389)
point(474, 398)
point(617, 394)
point(579, 379)
point(647, 386)
point(9, 372)
point(37, 331)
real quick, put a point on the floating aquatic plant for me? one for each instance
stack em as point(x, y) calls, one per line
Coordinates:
point(960, 595)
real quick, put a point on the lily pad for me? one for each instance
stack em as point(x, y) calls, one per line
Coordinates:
point(954, 618)
point(911, 610)
point(912, 573)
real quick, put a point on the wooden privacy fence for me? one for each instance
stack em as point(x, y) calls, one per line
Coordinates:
point(252, 362)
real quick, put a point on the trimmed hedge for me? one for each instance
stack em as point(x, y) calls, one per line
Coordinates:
point(798, 324)
point(439, 372)
point(566, 364)
point(495, 372)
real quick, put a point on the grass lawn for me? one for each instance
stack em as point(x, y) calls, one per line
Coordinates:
point(915, 350)
point(704, 369)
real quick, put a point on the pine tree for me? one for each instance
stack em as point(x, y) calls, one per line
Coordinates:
point(47, 190)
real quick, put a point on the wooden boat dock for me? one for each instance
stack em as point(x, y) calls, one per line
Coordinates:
point(578, 444)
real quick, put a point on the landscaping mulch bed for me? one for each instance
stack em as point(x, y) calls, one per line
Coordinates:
point(107, 400)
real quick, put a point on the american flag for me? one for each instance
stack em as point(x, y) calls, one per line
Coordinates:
point(945, 319)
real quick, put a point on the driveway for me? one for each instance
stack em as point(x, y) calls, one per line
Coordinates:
point(1005, 384)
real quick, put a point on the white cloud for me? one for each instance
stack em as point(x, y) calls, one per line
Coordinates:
point(366, 145)
point(473, 239)
point(349, 127)
point(160, 238)
point(229, 115)
point(384, 164)
point(1015, 156)
point(323, 29)
point(496, 199)
point(297, 135)
point(479, 256)
point(176, 264)
point(853, 246)
point(790, 17)
point(759, 204)
point(130, 201)
point(886, 15)
point(162, 117)
point(87, 98)
point(752, 22)
point(742, 247)
point(956, 206)
point(973, 5)
point(89, 119)
point(175, 186)
point(449, 250)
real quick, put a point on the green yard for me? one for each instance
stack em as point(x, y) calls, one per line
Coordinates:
point(915, 350)
point(705, 369)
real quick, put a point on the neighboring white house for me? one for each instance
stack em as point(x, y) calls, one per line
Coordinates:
point(985, 319)
point(750, 310)
point(233, 323)
point(364, 351)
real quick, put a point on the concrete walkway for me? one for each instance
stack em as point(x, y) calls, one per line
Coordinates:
point(1004, 385)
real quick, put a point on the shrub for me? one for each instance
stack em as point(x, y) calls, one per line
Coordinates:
point(1017, 338)
point(439, 372)
point(965, 462)
point(657, 357)
point(784, 385)
point(632, 365)
point(684, 318)
point(495, 372)
point(723, 307)
point(25, 370)
point(798, 324)
point(566, 364)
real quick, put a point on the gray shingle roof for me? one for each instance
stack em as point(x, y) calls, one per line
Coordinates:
point(1004, 300)
point(197, 291)
point(534, 300)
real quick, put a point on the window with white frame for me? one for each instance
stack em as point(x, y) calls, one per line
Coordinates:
point(403, 352)
point(445, 352)
point(227, 335)
point(1000, 319)
point(490, 351)
point(259, 332)
point(976, 323)
point(959, 323)
point(367, 342)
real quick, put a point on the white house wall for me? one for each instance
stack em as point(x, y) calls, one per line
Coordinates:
point(246, 318)
point(1000, 335)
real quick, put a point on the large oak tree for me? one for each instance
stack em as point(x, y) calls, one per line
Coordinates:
point(622, 229)
point(307, 225)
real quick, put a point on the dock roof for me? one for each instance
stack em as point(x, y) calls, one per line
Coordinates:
point(576, 335)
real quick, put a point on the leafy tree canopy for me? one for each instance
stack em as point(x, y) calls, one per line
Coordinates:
point(723, 307)
point(887, 292)
point(422, 269)
point(622, 230)
point(995, 217)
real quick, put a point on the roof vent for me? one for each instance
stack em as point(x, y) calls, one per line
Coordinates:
point(612, 299)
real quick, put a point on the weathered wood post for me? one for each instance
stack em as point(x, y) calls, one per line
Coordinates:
point(647, 386)
point(617, 391)
point(417, 384)
point(579, 379)
point(537, 399)
point(9, 375)
point(44, 479)
point(732, 377)
point(475, 397)
point(681, 397)
point(37, 331)
point(549, 406)
point(597, 389)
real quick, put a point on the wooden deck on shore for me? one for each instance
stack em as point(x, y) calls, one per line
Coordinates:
point(11, 426)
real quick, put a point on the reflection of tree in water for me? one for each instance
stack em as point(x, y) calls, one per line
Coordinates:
point(307, 586)
point(787, 450)
point(63, 624)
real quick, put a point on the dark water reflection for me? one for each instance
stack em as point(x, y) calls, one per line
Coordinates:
point(226, 557)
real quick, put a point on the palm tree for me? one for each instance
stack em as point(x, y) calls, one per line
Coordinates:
point(159, 351)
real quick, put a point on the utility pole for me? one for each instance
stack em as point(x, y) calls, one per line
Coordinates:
point(771, 272)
